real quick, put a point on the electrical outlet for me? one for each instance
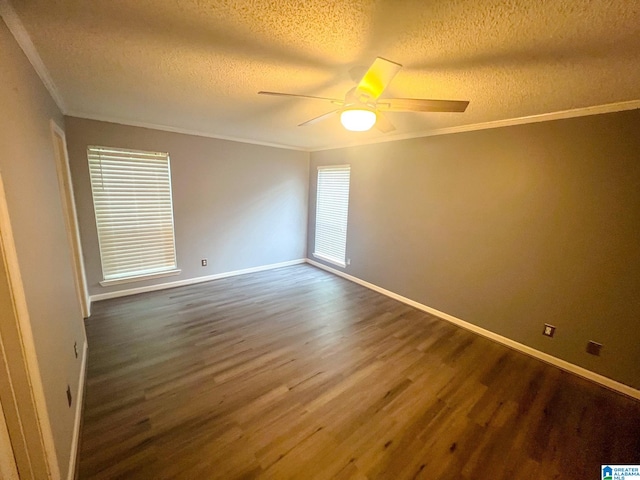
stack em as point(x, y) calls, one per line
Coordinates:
point(549, 330)
point(204, 262)
point(69, 395)
point(594, 348)
point(75, 348)
point(348, 261)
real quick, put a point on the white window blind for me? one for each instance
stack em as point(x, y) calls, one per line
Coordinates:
point(332, 208)
point(134, 212)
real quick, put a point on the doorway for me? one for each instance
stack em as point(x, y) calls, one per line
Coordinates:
point(71, 218)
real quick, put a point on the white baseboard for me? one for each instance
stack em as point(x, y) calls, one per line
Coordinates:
point(191, 281)
point(73, 456)
point(545, 357)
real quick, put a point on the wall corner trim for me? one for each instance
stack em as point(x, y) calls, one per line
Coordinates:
point(73, 455)
point(26, 44)
point(532, 352)
point(191, 281)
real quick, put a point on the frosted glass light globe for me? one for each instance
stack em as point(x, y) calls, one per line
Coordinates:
point(358, 119)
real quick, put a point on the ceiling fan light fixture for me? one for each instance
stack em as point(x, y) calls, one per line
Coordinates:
point(358, 119)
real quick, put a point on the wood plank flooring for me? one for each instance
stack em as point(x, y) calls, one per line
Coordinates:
point(296, 373)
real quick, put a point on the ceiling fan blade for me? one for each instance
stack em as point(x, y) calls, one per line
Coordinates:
point(378, 77)
point(383, 123)
point(279, 94)
point(421, 105)
point(322, 117)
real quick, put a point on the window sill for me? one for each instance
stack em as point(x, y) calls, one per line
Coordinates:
point(330, 260)
point(139, 278)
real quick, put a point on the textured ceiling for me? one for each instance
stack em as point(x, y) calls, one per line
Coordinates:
point(198, 64)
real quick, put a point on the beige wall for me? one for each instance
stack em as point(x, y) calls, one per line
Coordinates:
point(236, 204)
point(28, 168)
point(508, 229)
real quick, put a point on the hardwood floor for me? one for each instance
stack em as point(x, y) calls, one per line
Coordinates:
point(296, 373)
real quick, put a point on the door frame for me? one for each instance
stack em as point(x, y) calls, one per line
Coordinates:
point(70, 216)
point(23, 400)
point(8, 465)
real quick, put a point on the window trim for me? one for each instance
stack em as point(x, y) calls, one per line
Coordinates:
point(329, 260)
point(139, 278)
point(135, 277)
point(316, 254)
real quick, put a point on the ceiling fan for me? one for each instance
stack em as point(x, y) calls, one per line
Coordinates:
point(362, 106)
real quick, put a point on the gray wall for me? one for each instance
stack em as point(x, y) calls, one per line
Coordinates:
point(236, 204)
point(28, 168)
point(508, 229)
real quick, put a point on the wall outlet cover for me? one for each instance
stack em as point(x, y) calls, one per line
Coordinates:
point(594, 348)
point(549, 330)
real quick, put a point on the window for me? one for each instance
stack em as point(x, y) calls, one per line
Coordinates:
point(134, 213)
point(332, 209)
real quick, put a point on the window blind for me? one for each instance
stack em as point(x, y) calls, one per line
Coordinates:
point(332, 208)
point(134, 211)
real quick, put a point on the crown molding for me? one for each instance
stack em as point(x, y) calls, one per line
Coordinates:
point(185, 131)
point(24, 41)
point(543, 117)
point(15, 26)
